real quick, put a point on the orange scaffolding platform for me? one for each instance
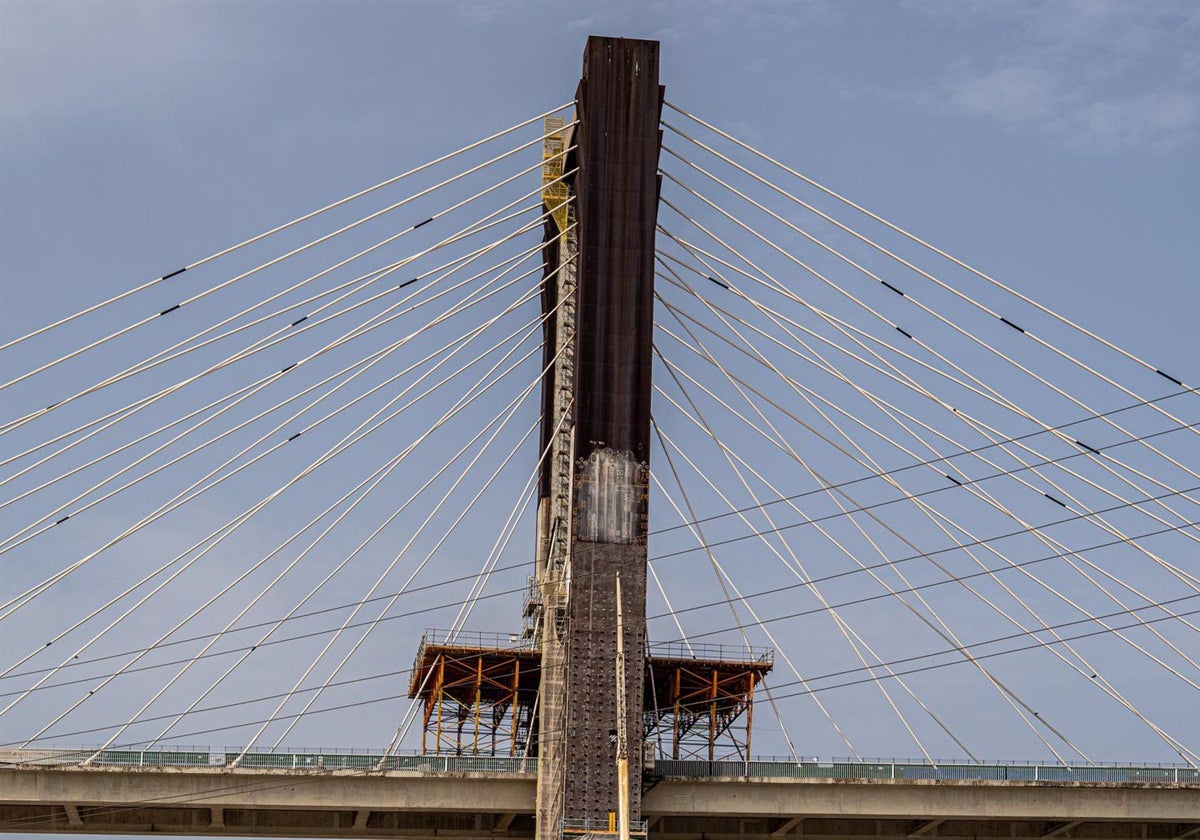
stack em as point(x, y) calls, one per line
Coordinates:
point(479, 696)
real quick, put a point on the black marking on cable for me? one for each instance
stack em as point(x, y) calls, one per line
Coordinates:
point(408, 282)
point(1083, 445)
point(420, 224)
point(174, 273)
point(298, 321)
point(1165, 375)
point(170, 309)
point(1056, 501)
point(289, 367)
point(719, 283)
point(893, 288)
point(50, 407)
point(905, 333)
point(64, 519)
point(293, 437)
point(1004, 320)
point(955, 480)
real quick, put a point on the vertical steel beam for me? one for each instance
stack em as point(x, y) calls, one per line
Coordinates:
point(600, 387)
point(616, 196)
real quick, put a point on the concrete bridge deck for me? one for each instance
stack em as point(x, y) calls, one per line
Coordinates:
point(467, 799)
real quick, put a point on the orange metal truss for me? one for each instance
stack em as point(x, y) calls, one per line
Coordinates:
point(479, 697)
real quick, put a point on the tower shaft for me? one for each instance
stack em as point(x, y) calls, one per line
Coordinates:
point(615, 204)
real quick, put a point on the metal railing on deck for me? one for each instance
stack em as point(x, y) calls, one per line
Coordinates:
point(476, 639)
point(947, 771)
point(720, 653)
point(330, 759)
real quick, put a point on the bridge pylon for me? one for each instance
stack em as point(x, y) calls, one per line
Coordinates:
point(549, 694)
point(593, 509)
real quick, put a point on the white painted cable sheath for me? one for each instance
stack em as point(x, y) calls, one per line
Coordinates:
point(956, 328)
point(286, 225)
point(58, 576)
point(228, 528)
point(923, 243)
point(158, 358)
point(1174, 743)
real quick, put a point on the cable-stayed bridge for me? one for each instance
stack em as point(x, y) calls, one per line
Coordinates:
point(861, 497)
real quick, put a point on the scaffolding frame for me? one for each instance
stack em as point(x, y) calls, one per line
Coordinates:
point(479, 696)
point(701, 706)
point(476, 699)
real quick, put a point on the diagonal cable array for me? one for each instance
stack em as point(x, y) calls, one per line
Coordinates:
point(895, 454)
point(224, 505)
point(305, 430)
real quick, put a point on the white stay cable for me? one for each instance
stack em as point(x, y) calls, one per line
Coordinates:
point(228, 528)
point(162, 510)
point(500, 545)
point(892, 410)
point(341, 517)
point(796, 566)
point(29, 594)
point(929, 512)
point(512, 262)
point(286, 225)
point(1107, 688)
point(923, 243)
point(987, 499)
point(271, 340)
point(981, 307)
point(940, 627)
point(225, 283)
point(468, 231)
point(853, 638)
point(367, 326)
point(968, 335)
point(391, 566)
point(409, 716)
point(452, 412)
point(454, 267)
point(971, 337)
point(279, 623)
point(726, 582)
point(902, 378)
point(359, 282)
point(848, 634)
point(478, 583)
point(548, 365)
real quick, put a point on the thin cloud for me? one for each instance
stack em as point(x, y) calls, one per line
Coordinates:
point(1101, 76)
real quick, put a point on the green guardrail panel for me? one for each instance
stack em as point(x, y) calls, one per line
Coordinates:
point(351, 761)
point(916, 771)
point(270, 761)
point(174, 758)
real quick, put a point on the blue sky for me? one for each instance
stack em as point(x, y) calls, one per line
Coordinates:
point(1054, 145)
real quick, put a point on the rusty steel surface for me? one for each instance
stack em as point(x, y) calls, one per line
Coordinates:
point(616, 194)
point(616, 191)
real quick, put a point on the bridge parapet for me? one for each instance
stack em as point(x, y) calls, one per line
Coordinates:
point(328, 793)
point(324, 759)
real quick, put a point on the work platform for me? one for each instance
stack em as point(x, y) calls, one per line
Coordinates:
point(479, 696)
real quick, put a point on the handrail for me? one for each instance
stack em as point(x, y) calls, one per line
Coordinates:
point(330, 759)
